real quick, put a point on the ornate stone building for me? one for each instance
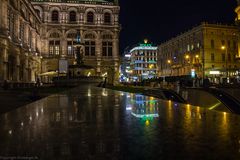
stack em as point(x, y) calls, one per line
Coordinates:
point(208, 50)
point(35, 35)
point(95, 21)
point(19, 41)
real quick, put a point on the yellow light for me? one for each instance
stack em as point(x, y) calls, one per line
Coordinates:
point(145, 41)
point(197, 56)
point(187, 56)
point(223, 47)
point(169, 61)
point(151, 66)
point(147, 122)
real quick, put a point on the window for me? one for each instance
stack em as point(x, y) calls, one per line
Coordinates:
point(223, 42)
point(229, 57)
point(90, 48)
point(212, 44)
point(212, 57)
point(223, 57)
point(107, 18)
point(11, 23)
point(54, 47)
point(229, 44)
point(21, 33)
point(235, 45)
point(90, 17)
point(70, 47)
point(54, 16)
point(72, 16)
point(107, 48)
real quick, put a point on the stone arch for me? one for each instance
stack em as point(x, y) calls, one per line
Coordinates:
point(86, 13)
point(40, 11)
point(70, 11)
point(107, 35)
point(86, 35)
point(52, 9)
point(54, 31)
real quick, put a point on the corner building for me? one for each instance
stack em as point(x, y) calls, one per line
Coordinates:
point(97, 23)
point(211, 50)
point(143, 62)
point(20, 42)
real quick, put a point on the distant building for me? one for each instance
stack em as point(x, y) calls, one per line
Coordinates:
point(143, 63)
point(126, 66)
point(208, 50)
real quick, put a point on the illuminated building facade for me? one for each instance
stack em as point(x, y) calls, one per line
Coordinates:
point(95, 21)
point(125, 66)
point(143, 61)
point(20, 59)
point(36, 34)
point(209, 50)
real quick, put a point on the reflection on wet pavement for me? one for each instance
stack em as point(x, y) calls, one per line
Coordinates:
point(94, 123)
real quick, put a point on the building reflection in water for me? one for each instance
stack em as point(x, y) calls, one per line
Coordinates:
point(63, 126)
point(109, 124)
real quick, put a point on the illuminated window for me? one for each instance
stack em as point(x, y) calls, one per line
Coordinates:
point(90, 17)
point(54, 47)
point(54, 16)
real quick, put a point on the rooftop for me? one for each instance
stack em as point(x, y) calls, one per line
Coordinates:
point(105, 2)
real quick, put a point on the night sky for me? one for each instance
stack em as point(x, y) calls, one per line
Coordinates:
point(160, 20)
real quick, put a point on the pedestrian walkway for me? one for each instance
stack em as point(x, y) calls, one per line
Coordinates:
point(94, 123)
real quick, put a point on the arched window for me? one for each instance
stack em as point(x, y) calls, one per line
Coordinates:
point(72, 16)
point(107, 18)
point(90, 17)
point(55, 16)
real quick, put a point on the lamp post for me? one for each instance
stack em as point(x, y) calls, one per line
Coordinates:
point(169, 63)
point(224, 48)
point(187, 58)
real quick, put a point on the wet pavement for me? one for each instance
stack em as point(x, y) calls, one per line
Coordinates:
point(95, 123)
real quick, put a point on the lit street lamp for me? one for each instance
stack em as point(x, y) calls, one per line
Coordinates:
point(224, 48)
point(169, 63)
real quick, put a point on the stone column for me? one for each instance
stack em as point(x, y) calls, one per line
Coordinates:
point(3, 64)
point(3, 15)
point(116, 53)
point(25, 69)
point(17, 66)
point(98, 52)
point(63, 47)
